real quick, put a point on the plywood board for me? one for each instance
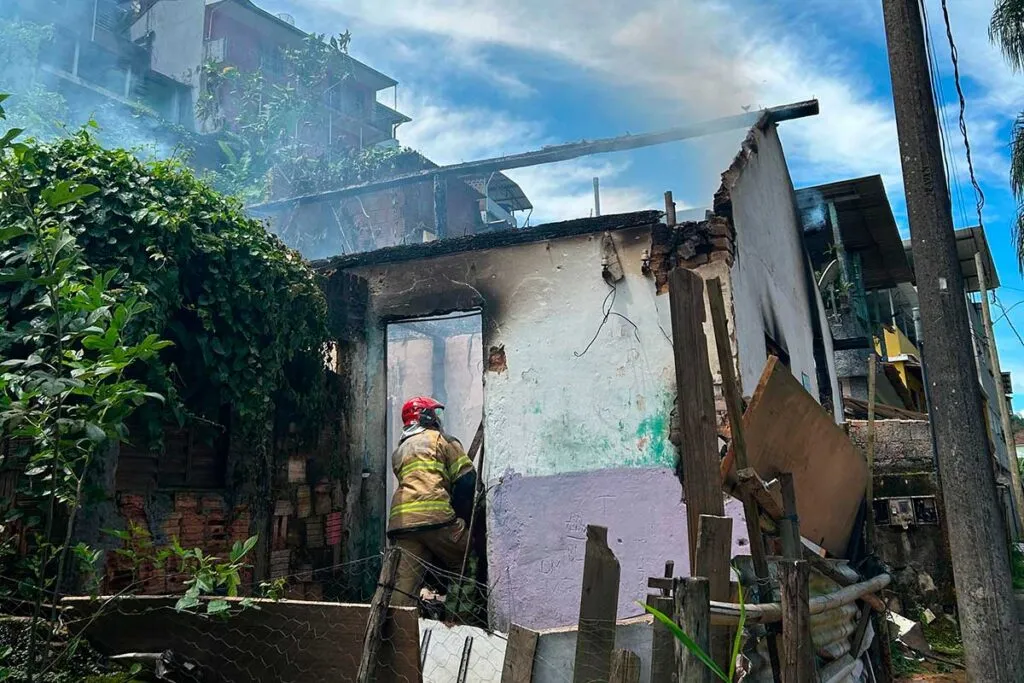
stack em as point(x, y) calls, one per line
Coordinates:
point(280, 641)
point(787, 431)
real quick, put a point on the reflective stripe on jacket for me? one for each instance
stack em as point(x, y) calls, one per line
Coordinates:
point(426, 464)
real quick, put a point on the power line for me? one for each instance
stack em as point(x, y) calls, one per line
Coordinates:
point(954, 186)
point(1006, 315)
point(955, 56)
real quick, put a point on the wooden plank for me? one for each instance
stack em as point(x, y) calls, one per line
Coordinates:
point(869, 488)
point(693, 614)
point(599, 599)
point(663, 643)
point(766, 494)
point(378, 615)
point(661, 584)
point(862, 628)
point(798, 652)
point(714, 552)
point(625, 667)
point(738, 446)
point(695, 404)
point(792, 546)
point(280, 642)
point(519, 654)
point(787, 431)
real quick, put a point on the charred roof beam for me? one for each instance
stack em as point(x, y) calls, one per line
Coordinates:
point(564, 152)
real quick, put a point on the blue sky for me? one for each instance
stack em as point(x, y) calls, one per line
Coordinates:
point(488, 77)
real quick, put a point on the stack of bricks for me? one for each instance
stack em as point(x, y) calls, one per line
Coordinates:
point(307, 529)
point(709, 241)
point(195, 520)
point(690, 245)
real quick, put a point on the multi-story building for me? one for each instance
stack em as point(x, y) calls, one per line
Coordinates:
point(186, 38)
point(185, 35)
point(89, 59)
point(866, 274)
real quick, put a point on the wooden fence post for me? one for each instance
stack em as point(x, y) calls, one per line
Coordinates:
point(378, 616)
point(693, 614)
point(798, 652)
point(519, 654)
point(599, 599)
point(663, 643)
point(695, 404)
point(714, 551)
point(625, 667)
point(734, 405)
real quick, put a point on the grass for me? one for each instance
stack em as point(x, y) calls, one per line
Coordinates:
point(697, 650)
point(1017, 566)
point(944, 637)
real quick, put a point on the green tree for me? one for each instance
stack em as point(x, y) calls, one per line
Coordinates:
point(35, 107)
point(1007, 31)
point(65, 392)
point(271, 124)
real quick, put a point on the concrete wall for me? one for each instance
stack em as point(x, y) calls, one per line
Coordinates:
point(918, 555)
point(556, 650)
point(574, 436)
point(771, 295)
point(177, 27)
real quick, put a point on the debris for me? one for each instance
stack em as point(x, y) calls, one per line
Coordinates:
point(496, 361)
point(788, 431)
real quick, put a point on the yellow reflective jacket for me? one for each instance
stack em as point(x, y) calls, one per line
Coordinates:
point(426, 465)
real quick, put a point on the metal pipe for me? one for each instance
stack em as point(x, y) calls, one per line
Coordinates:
point(597, 196)
point(564, 152)
point(727, 614)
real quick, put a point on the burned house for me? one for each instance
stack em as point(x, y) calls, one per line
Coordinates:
point(576, 370)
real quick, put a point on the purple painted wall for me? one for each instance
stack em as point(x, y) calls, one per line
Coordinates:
point(537, 537)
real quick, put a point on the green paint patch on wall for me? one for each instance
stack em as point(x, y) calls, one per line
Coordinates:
point(637, 439)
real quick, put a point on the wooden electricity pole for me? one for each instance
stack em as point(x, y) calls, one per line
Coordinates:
point(1004, 409)
point(981, 565)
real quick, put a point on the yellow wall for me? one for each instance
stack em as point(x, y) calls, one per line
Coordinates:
point(897, 344)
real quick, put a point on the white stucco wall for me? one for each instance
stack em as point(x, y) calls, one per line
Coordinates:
point(769, 280)
point(579, 386)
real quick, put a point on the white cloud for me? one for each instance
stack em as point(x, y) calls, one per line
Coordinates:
point(704, 58)
point(448, 134)
point(694, 59)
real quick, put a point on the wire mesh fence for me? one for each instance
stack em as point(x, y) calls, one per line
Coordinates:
point(445, 637)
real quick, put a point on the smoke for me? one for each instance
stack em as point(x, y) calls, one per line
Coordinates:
point(59, 80)
point(813, 210)
point(667, 61)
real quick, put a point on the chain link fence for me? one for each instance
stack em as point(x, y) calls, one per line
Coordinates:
point(446, 638)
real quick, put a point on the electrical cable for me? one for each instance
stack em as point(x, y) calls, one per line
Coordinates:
point(606, 309)
point(1009, 322)
point(955, 56)
point(939, 99)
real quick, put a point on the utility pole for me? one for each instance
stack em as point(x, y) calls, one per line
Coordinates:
point(977, 538)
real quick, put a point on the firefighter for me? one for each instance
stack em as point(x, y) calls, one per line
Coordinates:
point(431, 506)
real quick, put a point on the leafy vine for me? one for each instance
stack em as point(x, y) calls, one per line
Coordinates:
point(246, 315)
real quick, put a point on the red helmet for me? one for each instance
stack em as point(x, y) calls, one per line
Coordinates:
point(414, 407)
